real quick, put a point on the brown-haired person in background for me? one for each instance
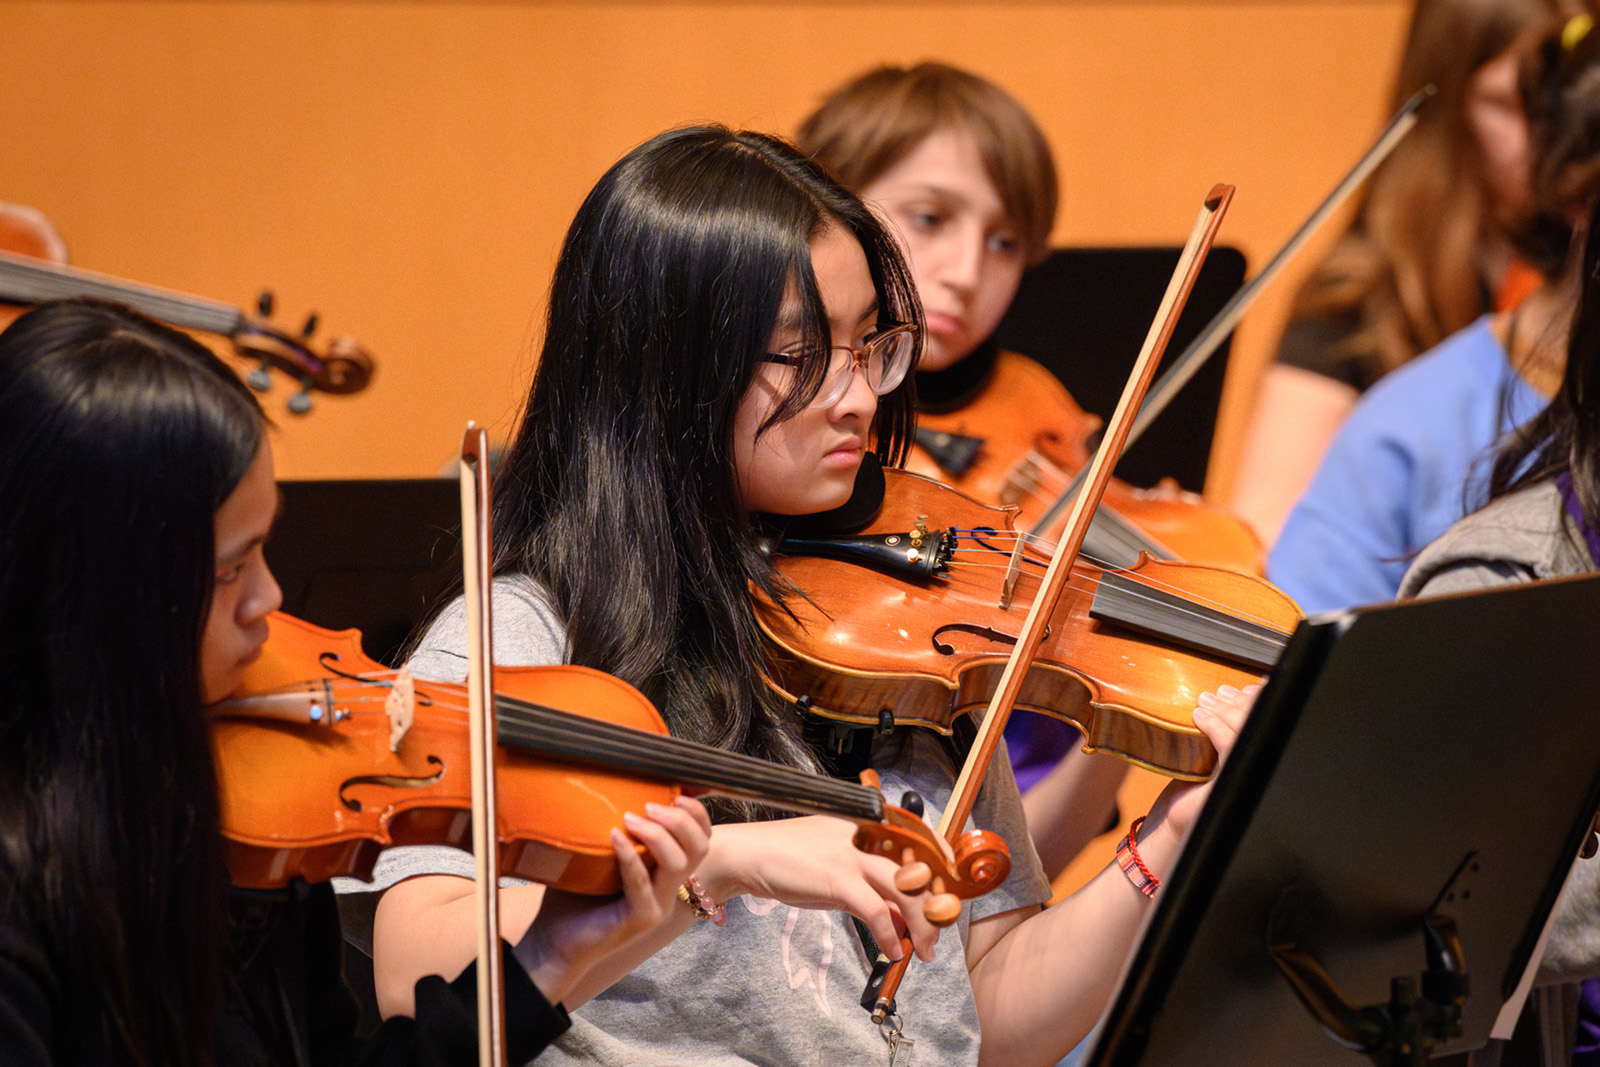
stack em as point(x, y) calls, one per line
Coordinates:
point(1408, 461)
point(1427, 254)
point(964, 175)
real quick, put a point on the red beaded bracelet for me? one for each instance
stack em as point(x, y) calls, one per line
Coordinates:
point(1132, 866)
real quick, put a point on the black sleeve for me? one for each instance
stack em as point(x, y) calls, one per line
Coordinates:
point(445, 1029)
point(283, 1002)
point(305, 1012)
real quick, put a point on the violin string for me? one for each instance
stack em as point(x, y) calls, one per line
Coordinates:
point(1030, 474)
point(1104, 565)
point(1232, 618)
point(1135, 579)
point(618, 746)
point(682, 760)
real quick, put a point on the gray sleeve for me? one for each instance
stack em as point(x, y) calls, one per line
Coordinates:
point(1464, 576)
point(999, 808)
point(527, 633)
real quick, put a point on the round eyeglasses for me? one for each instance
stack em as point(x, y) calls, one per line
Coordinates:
point(884, 359)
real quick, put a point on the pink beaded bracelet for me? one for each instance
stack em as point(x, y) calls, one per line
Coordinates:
point(694, 894)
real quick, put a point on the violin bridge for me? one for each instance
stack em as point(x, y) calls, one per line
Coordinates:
point(399, 706)
point(1008, 588)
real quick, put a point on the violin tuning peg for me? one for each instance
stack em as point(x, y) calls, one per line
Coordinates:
point(259, 379)
point(913, 877)
point(310, 327)
point(942, 909)
point(300, 403)
point(911, 800)
point(264, 304)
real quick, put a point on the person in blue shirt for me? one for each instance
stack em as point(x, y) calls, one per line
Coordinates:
point(1409, 460)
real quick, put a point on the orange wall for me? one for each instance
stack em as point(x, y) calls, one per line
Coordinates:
point(407, 168)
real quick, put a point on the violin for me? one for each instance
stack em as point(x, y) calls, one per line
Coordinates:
point(1035, 438)
point(324, 757)
point(917, 628)
point(345, 367)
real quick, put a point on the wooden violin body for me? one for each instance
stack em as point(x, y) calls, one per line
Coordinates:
point(1035, 437)
point(1127, 654)
point(321, 799)
point(324, 758)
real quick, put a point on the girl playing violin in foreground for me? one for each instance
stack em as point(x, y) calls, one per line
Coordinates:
point(139, 491)
point(729, 333)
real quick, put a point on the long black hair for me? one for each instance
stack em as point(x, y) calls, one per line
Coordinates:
point(618, 492)
point(1565, 437)
point(1559, 88)
point(119, 439)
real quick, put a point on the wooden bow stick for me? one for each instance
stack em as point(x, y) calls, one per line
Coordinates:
point(482, 737)
point(1066, 552)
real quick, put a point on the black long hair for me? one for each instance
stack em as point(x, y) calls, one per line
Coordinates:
point(1559, 88)
point(618, 492)
point(119, 439)
point(1565, 437)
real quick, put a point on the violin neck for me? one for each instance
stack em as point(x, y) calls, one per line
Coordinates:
point(33, 281)
point(701, 768)
point(1168, 614)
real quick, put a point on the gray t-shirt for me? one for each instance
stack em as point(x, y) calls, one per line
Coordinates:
point(777, 984)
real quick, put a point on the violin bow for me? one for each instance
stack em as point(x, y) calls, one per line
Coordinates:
point(481, 727)
point(1204, 346)
point(1055, 578)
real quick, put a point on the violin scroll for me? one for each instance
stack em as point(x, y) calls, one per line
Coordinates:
point(978, 863)
point(344, 368)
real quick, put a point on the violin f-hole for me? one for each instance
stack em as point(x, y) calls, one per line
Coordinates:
point(393, 781)
point(988, 632)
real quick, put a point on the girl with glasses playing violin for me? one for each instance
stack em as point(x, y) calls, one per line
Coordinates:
point(698, 388)
point(139, 491)
point(965, 176)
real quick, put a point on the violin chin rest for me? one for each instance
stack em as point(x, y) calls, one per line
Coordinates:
point(866, 500)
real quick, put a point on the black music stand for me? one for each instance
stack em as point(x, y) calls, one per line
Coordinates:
point(1404, 803)
point(372, 554)
point(1084, 313)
